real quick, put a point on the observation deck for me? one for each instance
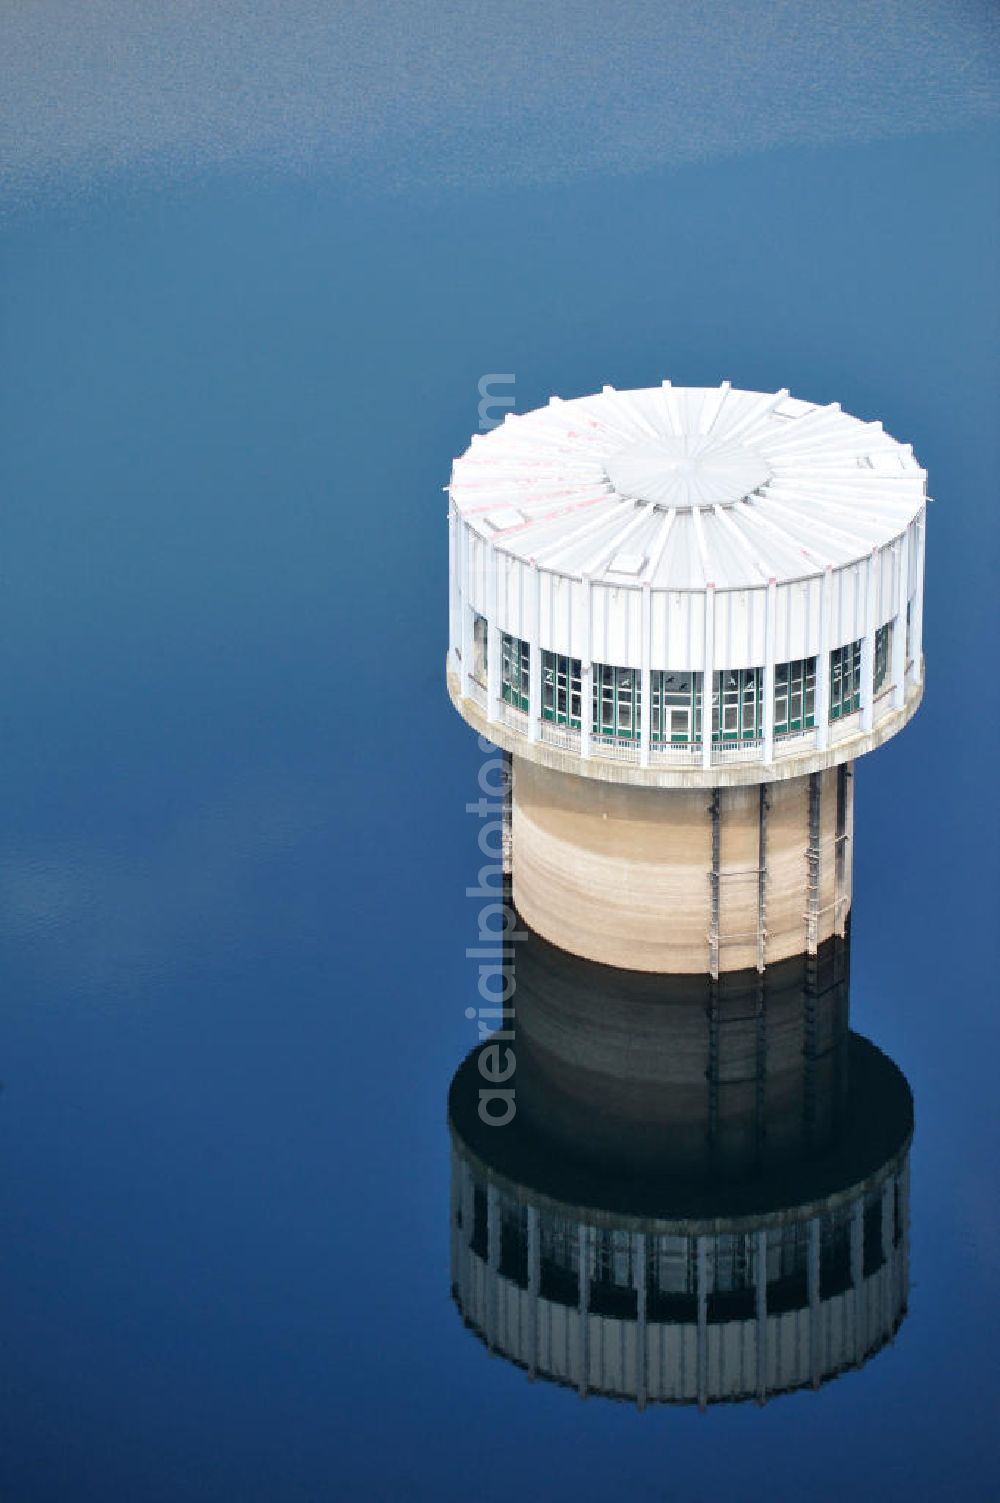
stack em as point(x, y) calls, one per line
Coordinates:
point(684, 587)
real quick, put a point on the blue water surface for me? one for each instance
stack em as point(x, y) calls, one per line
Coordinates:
point(234, 847)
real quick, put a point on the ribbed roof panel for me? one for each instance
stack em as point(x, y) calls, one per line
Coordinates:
point(683, 487)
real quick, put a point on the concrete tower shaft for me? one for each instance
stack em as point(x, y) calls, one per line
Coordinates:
point(683, 881)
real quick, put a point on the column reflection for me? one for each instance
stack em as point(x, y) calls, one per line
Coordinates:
point(703, 1194)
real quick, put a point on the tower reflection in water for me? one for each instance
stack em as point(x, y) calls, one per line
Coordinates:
point(693, 1203)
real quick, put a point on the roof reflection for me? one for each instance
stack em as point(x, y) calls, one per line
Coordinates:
point(703, 1194)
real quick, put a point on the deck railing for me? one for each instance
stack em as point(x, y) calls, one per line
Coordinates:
point(680, 754)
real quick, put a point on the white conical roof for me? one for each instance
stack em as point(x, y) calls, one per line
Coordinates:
point(680, 488)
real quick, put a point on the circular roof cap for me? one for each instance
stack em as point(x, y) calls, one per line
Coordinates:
point(685, 487)
point(692, 471)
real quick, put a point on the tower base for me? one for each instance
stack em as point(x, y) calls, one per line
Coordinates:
point(682, 881)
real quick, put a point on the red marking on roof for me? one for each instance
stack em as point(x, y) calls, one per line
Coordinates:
point(472, 511)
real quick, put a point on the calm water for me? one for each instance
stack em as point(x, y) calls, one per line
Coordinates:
point(234, 847)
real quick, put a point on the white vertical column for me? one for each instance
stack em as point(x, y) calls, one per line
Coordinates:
point(587, 669)
point(535, 656)
point(534, 1288)
point(849, 842)
point(639, 1279)
point(494, 650)
point(454, 590)
point(868, 644)
point(465, 547)
point(760, 1291)
point(708, 678)
point(701, 1264)
point(583, 1311)
point(812, 1287)
point(645, 677)
point(917, 603)
point(899, 623)
point(770, 628)
point(822, 708)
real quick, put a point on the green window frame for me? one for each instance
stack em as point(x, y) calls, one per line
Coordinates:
point(561, 689)
point(845, 680)
point(616, 706)
point(883, 654)
point(738, 705)
point(794, 696)
point(515, 680)
point(675, 708)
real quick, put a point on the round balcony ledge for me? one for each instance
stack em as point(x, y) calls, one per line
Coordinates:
point(795, 760)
